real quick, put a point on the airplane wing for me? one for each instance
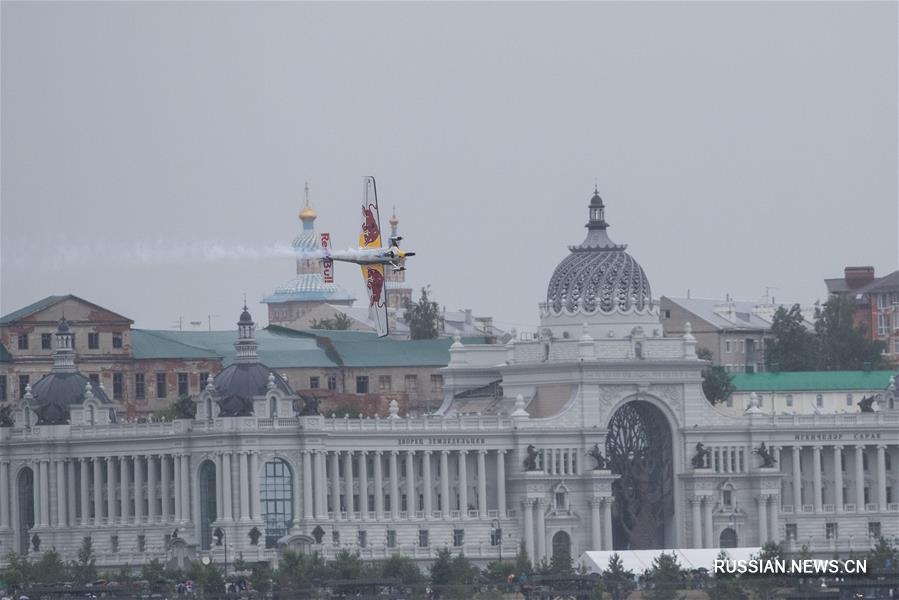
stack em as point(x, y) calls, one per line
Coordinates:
point(376, 286)
point(370, 236)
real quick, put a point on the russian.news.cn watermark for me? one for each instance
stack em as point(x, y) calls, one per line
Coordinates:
point(777, 566)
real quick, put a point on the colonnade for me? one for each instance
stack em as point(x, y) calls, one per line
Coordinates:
point(858, 456)
point(248, 500)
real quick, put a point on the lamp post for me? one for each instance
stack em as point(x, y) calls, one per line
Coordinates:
point(222, 540)
point(498, 536)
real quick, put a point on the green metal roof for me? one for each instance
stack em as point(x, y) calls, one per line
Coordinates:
point(146, 344)
point(812, 381)
point(30, 309)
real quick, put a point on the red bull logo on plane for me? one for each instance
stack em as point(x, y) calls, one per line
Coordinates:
point(370, 229)
point(375, 284)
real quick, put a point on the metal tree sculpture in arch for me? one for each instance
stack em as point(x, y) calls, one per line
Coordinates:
point(639, 449)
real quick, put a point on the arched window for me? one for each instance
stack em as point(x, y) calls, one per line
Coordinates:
point(273, 407)
point(277, 500)
point(728, 538)
point(562, 546)
point(208, 507)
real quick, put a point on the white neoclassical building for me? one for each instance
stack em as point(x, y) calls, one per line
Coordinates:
point(593, 435)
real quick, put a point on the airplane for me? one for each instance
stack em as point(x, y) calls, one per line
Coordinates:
point(371, 256)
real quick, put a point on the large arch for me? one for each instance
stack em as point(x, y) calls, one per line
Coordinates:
point(25, 503)
point(208, 502)
point(640, 448)
point(561, 545)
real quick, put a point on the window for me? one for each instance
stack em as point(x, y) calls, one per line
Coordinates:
point(422, 538)
point(866, 494)
point(727, 346)
point(848, 399)
point(496, 536)
point(160, 385)
point(889, 491)
point(23, 341)
point(830, 531)
point(667, 313)
point(183, 385)
point(332, 382)
point(560, 500)
point(888, 461)
point(2, 388)
point(883, 325)
point(391, 538)
point(819, 400)
point(362, 384)
point(204, 376)
point(117, 386)
point(277, 501)
point(789, 399)
point(335, 537)
point(363, 538)
point(742, 347)
point(791, 532)
point(141, 543)
point(864, 461)
point(139, 391)
point(95, 379)
point(114, 543)
point(881, 300)
point(46, 341)
point(874, 529)
point(458, 537)
point(313, 383)
point(384, 383)
point(436, 384)
point(412, 385)
point(116, 339)
point(23, 383)
point(727, 497)
point(93, 341)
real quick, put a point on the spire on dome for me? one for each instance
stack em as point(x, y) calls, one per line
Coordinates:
point(246, 338)
point(308, 214)
point(597, 211)
point(393, 222)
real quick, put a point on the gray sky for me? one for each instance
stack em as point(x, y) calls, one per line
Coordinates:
point(736, 145)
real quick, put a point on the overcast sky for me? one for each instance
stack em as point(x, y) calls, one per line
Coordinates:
point(737, 146)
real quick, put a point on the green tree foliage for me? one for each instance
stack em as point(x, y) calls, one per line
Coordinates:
point(296, 571)
point(794, 347)
point(50, 568)
point(726, 585)
point(883, 555)
point(844, 346)
point(261, 576)
point(154, 571)
point(18, 572)
point(665, 578)
point(401, 568)
point(617, 580)
point(84, 570)
point(717, 384)
point(208, 580)
point(423, 316)
point(340, 322)
point(347, 565)
point(453, 577)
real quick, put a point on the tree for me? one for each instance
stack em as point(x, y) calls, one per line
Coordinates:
point(725, 585)
point(403, 569)
point(423, 317)
point(764, 585)
point(50, 568)
point(717, 384)
point(794, 347)
point(340, 322)
point(296, 571)
point(844, 346)
point(84, 570)
point(154, 572)
point(18, 572)
point(453, 577)
point(666, 578)
point(883, 555)
point(617, 580)
point(208, 580)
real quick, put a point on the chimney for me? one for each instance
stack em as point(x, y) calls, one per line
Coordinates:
point(857, 277)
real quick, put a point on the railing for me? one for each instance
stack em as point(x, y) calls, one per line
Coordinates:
point(870, 507)
point(430, 423)
point(849, 508)
point(786, 509)
point(893, 507)
point(829, 508)
point(808, 508)
point(835, 420)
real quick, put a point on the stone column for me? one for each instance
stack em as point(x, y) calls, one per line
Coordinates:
point(774, 525)
point(817, 487)
point(176, 475)
point(763, 519)
point(307, 485)
point(61, 501)
point(138, 490)
point(394, 486)
point(797, 479)
point(427, 482)
point(596, 524)
point(482, 484)
point(363, 485)
point(348, 484)
point(165, 478)
point(881, 477)
point(255, 494)
point(463, 483)
point(124, 481)
point(45, 493)
point(541, 528)
point(707, 528)
point(501, 483)
point(227, 495)
point(379, 487)
point(607, 523)
point(528, 506)
point(696, 504)
point(859, 479)
point(321, 488)
point(71, 492)
point(4, 495)
point(725, 458)
point(335, 483)
point(98, 491)
point(219, 483)
point(36, 481)
point(111, 510)
point(411, 498)
point(444, 484)
point(837, 478)
point(185, 487)
point(151, 488)
point(85, 492)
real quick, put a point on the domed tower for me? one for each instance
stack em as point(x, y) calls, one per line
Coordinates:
point(398, 291)
point(599, 284)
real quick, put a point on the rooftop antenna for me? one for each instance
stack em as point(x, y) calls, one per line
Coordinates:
point(209, 320)
point(769, 299)
point(179, 324)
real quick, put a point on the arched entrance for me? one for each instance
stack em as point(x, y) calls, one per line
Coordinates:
point(208, 508)
point(25, 488)
point(640, 449)
point(728, 538)
point(562, 546)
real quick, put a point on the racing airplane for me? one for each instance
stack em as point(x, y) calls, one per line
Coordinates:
point(371, 256)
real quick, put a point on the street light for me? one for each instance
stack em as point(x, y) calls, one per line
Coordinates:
point(498, 536)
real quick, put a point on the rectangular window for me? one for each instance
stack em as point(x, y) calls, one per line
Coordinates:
point(116, 340)
point(883, 325)
point(458, 537)
point(363, 538)
point(114, 543)
point(791, 531)
point(830, 531)
point(742, 347)
point(384, 383)
point(313, 383)
point(819, 400)
point(436, 384)
point(46, 341)
point(332, 382)
point(881, 300)
point(391, 538)
point(727, 497)
point(117, 386)
point(139, 391)
point(727, 346)
point(23, 341)
point(204, 376)
point(2, 388)
point(23, 383)
point(874, 529)
point(141, 543)
point(335, 537)
point(422, 538)
point(93, 341)
point(848, 399)
point(362, 384)
point(789, 399)
point(496, 536)
point(160, 385)
point(411, 385)
point(183, 385)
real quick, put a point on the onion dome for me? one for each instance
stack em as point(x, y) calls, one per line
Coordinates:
point(598, 275)
point(308, 213)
